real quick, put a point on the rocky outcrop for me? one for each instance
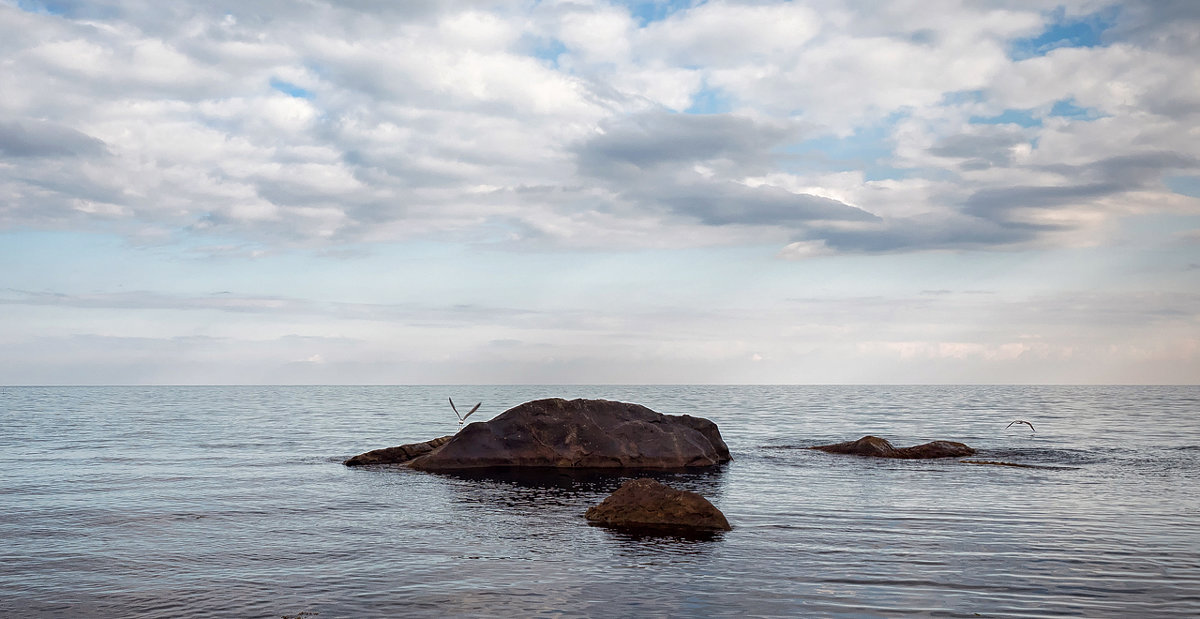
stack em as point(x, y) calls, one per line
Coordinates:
point(397, 455)
point(879, 448)
point(647, 504)
point(581, 434)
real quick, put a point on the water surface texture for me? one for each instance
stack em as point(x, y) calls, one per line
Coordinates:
point(233, 502)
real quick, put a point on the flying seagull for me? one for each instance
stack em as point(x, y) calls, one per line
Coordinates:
point(461, 417)
point(1016, 421)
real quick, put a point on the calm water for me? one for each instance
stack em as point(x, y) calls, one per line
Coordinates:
point(233, 502)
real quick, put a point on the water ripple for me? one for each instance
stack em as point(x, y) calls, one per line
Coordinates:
point(232, 501)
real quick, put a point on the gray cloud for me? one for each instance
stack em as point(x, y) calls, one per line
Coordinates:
point(725, 203)
point(1167, 24)
point(650, 141)
point(1110, 176)
point(1139, 168)
point(985, 218)
point(408, 128)
point(926, 232)
point(651, 159)
point(992, 202)
point(984, 148)
point(30, 138)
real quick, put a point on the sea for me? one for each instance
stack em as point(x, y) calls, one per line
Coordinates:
point(234, 502)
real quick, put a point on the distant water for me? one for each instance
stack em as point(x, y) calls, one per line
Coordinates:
point(233, 502)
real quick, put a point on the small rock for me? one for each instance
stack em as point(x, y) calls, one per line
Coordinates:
point(647, 504)
point(876, 447)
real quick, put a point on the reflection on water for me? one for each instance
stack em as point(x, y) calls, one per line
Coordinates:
point(166, 502)
point(655, 541)
point(570, 482)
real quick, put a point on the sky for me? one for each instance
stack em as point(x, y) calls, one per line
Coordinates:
point(599, 191)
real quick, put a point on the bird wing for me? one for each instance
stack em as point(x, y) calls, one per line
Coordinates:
point(472, 411)
point(460, 417)
point(1031, 426)
point(1010, 424)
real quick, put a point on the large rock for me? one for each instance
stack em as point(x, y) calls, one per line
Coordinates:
point(581, 434)
point(397, 455)
point(647, 504)
point(879, 448)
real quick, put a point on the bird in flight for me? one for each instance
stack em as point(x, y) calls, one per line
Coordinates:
point(1016, 421)
point(461, 417)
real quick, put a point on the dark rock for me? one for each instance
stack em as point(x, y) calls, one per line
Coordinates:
point(397, 455)
point(879, 448)
point(647, 504)
point(581, 434)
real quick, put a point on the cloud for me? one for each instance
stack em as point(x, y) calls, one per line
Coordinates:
point(982, 148)
point(989, 201)
point(716, 34)
point(1111, 176)
point(925, 232)
point(324, 125)
point(476, 190)
point(695, 168)
point(43, 139)
point(1169, 24)
point(729, 203)
point(650, 140)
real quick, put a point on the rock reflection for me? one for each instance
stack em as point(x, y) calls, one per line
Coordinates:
point(707, 481)
point(545, 492)
point(648, 549)
point(687, 542)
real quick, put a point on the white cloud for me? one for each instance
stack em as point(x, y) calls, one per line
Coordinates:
point(598, 36)
point(721, 34)
point(394, 124)
point(832, 131)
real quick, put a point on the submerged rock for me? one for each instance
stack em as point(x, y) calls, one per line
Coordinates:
point(397, 455)
point(1020, 465)
point(580, 434)
point(876, 447)
point(1001, 463)
point(647, 504)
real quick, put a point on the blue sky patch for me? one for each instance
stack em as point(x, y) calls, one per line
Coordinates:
point(1066, 108)
point(290, 89)
point(548, 50)
point(709, 101)
point(1023, 118)
point(43, 8)
point(1086, 31)
point(960, 97)
point(865, 150)
point(647, 11)
point(1185, 185)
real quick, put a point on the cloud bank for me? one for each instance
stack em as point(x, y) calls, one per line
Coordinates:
point(427, 146)
point(642, 124)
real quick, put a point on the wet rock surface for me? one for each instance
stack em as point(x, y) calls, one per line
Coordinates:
point(397, 455)
point(876, 447)
point(645, 504)
point(599, 434)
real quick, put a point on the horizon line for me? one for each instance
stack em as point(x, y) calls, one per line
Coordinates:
point(552, 384)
